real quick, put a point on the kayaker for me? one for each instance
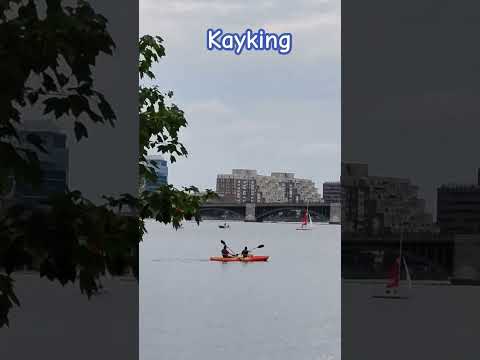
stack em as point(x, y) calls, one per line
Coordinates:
point(245, 252)
point(225, 252)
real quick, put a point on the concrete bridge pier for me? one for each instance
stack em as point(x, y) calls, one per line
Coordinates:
point(250, 212)
point(335, 213)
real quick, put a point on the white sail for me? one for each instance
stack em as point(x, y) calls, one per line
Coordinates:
point(409, 279)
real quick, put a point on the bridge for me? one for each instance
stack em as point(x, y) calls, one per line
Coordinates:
point(258, 212)
point(430, 256)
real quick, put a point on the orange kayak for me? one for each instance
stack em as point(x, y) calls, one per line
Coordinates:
point(240, 259)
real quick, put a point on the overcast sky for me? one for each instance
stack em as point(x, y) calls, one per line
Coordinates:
point(259, 110)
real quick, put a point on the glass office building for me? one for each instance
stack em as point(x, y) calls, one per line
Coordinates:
point(161, 171)
point(53, 164)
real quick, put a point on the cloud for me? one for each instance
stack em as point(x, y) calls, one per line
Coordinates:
point(310, 149)
point(180, 8)
point(305, 23)
point(209, 107)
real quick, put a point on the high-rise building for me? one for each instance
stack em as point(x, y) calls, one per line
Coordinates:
point(247, 186)
point(240, 186)
point(161, 169)
point(380, 204)
point(332, 192)
point(458, 208)
point(53, 165)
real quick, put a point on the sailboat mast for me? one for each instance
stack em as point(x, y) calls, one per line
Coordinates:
point(308, 216)
point(400, 256)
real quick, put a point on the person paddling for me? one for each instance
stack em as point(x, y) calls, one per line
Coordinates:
point(245, 252)
point(225, 252)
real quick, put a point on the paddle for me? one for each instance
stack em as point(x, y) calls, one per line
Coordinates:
point(258, 247)
point(232, 253)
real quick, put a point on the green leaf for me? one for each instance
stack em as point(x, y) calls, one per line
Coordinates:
point(49, 83)
point(32, 97)
point(80, 131)
point(37, 141)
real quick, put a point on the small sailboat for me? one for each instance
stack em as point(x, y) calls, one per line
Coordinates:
point(306, 221)
point(224, 225)
point(393, 290)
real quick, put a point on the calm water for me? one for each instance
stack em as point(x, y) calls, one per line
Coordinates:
point(437, 322)
point(286, 308)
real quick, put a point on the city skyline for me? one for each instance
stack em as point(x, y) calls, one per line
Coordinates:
point(256, 110)
point(269, 172)
point(247, 185)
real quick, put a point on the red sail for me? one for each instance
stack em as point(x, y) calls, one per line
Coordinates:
point(394, 280)
point(305, 218)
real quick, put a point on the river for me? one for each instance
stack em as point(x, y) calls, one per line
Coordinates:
point(193, 309)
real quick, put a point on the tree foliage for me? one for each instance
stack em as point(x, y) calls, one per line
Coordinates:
point(73, 239)
point(160, 125)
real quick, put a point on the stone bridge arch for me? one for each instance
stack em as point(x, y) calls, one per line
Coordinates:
point(319, 214)
point(232, 213)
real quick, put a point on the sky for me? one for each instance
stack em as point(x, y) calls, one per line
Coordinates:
point(258, 110)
